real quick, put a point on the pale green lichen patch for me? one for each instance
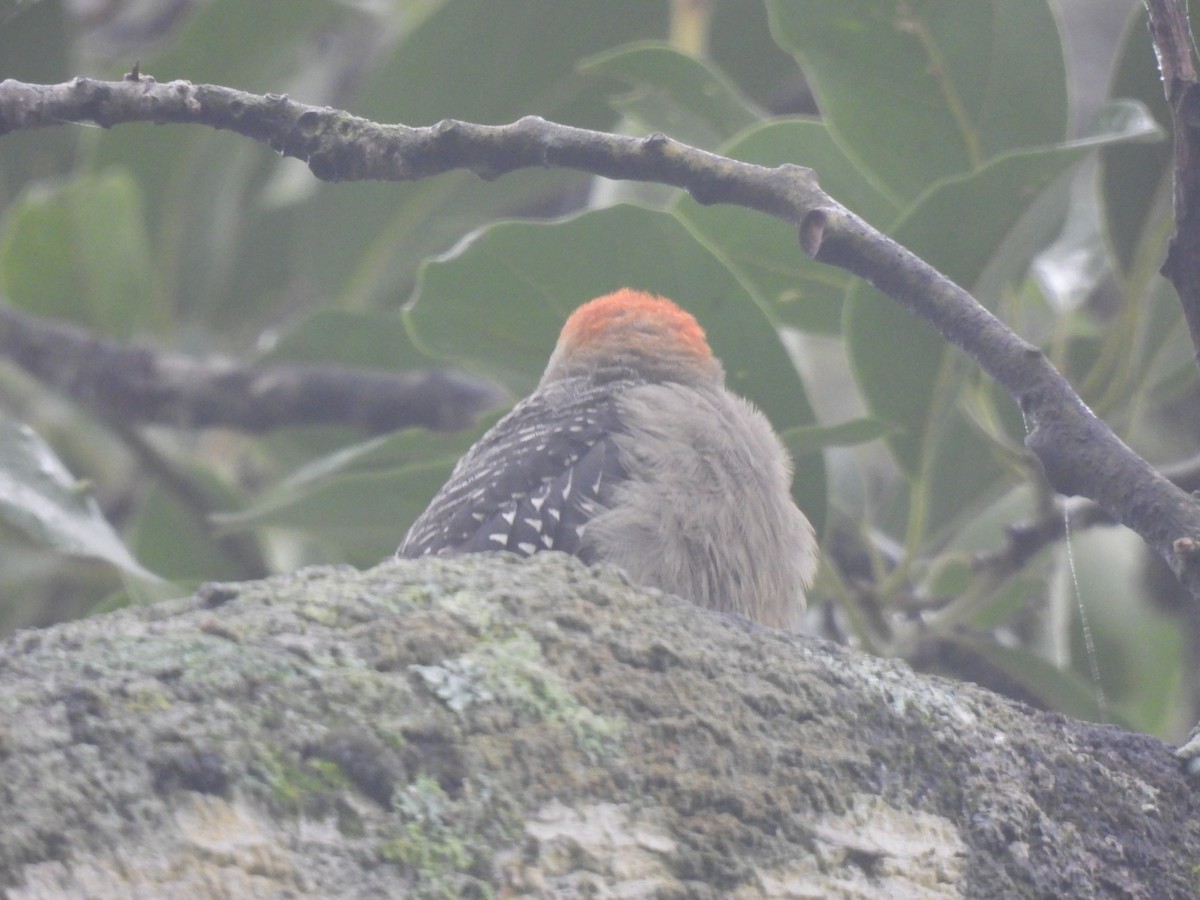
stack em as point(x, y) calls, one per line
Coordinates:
point(458, 683)
point(475, 611)
point(309, 786)
point(514, 673)
point(428, 845)
point(517, 670)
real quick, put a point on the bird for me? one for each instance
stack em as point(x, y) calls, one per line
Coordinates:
point(632, 451)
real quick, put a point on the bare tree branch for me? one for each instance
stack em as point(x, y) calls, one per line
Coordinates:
point(1079, 453)
point(132, 384)
point(1173, 46)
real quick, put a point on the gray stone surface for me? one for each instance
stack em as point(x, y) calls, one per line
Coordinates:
point(490, 727)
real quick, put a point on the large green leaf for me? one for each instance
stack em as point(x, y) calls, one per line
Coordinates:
point(174, 541)
point(220, 253)
point(34, 48)
point(1056, 688)
point(496, 307)
point(903, 367)
point(483, 63)
point(740, 42)
point(920, 91)
point(80, 252)
point(491, 62)
point(687, 98)
point(367, 339)
point(39, 496)
point(1136, 178)
point(359, 499)
point(898, 358)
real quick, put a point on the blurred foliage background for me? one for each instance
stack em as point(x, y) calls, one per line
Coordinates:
point(1015, 144)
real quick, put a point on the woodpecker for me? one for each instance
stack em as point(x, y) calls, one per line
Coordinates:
point(632, 451)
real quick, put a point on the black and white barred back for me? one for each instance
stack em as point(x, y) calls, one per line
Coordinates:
point(534, 480)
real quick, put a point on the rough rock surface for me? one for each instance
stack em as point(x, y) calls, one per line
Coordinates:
point(489, 726)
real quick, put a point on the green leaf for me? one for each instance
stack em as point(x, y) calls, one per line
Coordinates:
point(41, 498)
point(689, 99)
point(496, 306)
point(489, 63)
point(177, 545)
point(250, 46)
point(897, 358)
point(80, 252)
point(812, 438)
point(919, 91)
point(219, 252)
point(373, 340)
point(359, 499)
point(1056, 689)
point(741, 43)
point(763, 251)
point(905, 370)
point(1136, 178)
point(35, 47)
point(1141, 653)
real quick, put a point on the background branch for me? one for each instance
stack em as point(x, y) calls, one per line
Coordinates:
point(137, 384)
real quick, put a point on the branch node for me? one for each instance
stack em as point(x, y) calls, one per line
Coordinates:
point(656, 142)
point(529, 123)
point(812, 232)
point(308, 124)
point(533, 130)
point(791, 170)
point(94, 95)
point(323, 166)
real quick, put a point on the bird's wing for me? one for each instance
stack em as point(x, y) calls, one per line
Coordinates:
point(533, 480)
